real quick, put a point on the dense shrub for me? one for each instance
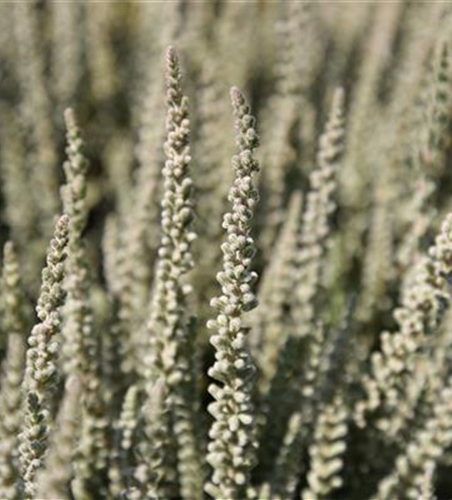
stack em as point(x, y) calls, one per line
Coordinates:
point(259, 319)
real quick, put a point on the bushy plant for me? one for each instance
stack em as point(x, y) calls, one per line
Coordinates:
point(236, 294)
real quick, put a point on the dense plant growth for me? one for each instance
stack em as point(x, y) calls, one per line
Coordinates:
point(227, 250)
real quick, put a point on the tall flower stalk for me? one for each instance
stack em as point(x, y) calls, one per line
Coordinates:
point(313, 240)
point(139, 232)
point(78, 315)
point(41, 371)
point(81, 347)
point(171, 338)
point(13, 323)
point(54, 479)
point(424, 303)
point(231, 450)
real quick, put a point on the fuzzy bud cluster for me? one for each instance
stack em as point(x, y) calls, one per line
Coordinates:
point(170, 335)
point(422, 453)
point(121, 458)
point(423, 305)
point(75, 168)
point(80, 347)
point(42, 356)
point(307, 265)
point(320, 205)
point(78, 325)
point(155, 473)
point(231, 447)
point(139, 233)
point(13, 295)
point(174, 254)
point(327, 451)
point(275, 294)
point(43, 341)
point(53, 480)
point(12, 373)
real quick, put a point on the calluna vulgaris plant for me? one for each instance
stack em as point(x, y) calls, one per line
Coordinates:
point(228, 295)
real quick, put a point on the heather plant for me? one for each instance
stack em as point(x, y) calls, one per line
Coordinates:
point(40, 373)
point(246, 295)
point(14, 326)
point(232, 443)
